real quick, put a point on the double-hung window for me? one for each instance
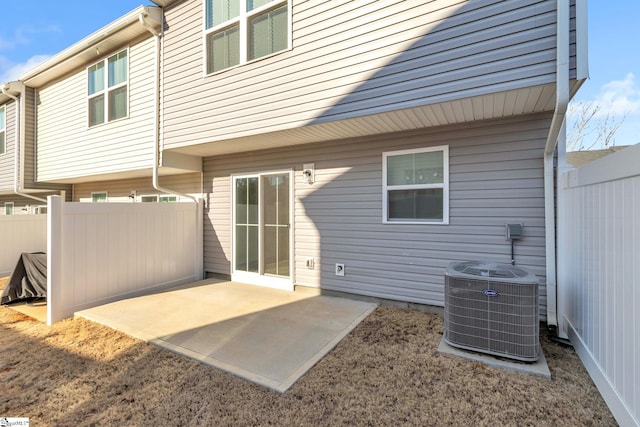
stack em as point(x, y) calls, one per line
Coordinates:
point(108, 84)
point(416, 186)
point(3, 130)
point(238, 31)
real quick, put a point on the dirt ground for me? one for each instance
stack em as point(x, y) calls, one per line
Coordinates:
point(386, 372)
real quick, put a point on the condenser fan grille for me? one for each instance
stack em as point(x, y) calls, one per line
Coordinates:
point(493, 315)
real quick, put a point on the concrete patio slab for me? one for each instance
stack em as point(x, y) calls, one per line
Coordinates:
point(264, 335)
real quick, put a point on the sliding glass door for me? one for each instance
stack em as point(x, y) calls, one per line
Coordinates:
point(262, 229)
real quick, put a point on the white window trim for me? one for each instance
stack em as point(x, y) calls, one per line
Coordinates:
point(108, 89)
point(7, 205)
point(243, 20)
point(106, 196)
point(3, 130)
point(444, 185)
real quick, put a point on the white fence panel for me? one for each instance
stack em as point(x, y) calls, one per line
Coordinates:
point(599, 275)
point(18, 234)
point(102, 252)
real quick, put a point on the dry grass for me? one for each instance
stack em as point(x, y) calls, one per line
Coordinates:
point(386, 372)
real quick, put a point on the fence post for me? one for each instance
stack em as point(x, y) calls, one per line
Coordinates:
point(199, 240)
point(55, 301)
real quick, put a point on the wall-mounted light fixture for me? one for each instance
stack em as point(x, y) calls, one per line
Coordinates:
point(309, 172)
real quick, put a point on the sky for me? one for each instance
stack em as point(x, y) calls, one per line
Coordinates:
point(33, 30)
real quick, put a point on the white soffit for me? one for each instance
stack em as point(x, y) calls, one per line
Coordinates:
point(93, 47)
point(485, 107)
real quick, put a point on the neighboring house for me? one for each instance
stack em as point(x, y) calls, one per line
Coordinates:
point(360, 147)
point(19, 192)
point(580, 158)
point(96, 104)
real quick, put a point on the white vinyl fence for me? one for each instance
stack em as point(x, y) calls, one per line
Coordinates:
point(18, 234)
point(101, 252)
point(599, 275)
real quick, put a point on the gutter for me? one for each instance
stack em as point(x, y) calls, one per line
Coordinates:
point(557, 125)
point(156, 145)
point(18, 147)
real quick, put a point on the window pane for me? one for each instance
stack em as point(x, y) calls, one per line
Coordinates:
point(2, 119)
point(8, 208)
point(254, 4)
point(96, 78)
point(409, 205)
point(118, 103)
point(1, 142)
point(252, 201)
point(99, 197)
point(241, 200)
point(241, 247)
point(418, 168)
point(252, 250)
point(223, 49)
point(268, 33)
point(429, 168)
point(118, 69)
point(96, 110)
point(219, 11)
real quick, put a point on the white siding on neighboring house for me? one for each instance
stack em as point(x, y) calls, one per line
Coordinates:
point(7, 160)
point(68, 148)
point(496, 177)
point(351, 59)
point(119, 190)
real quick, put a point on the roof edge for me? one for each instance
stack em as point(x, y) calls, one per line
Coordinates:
point(153, 12)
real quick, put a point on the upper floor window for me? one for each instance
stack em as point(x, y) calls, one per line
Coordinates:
point(416, 186)
point(3, 129)
point(108, 89)
point(237, 31)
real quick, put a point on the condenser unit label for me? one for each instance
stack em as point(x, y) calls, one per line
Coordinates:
point(490, 293)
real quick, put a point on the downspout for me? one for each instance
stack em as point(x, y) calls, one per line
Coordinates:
point(18, 147)
point(557, 122)
point(156, 150)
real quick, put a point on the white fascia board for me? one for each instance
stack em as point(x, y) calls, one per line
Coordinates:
point(53, 68)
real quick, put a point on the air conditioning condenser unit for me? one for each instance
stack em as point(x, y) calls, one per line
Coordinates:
point(492, 308)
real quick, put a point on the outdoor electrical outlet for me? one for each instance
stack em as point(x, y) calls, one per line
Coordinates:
point(310, 263)
point(339, 269)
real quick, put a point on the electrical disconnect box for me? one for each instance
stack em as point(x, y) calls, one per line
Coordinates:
point(514, 231)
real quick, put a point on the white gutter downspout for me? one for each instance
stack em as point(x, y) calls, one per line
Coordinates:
point(557, 122)
point(18, 148)
point(156, 152)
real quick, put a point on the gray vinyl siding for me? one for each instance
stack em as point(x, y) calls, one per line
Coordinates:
point(29, 133)
point(119, 190)
point(68, 148)
point(572, 41)
point(7, 159)
point(496, 177)
point(351, 59)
